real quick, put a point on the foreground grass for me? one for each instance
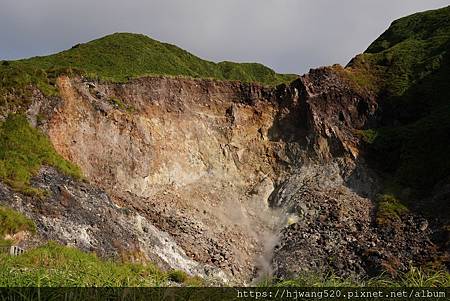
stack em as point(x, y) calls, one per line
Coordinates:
point(55, 265)
point(415, 277)
point(23, 150)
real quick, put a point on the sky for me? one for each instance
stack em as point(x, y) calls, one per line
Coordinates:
point(290, 36)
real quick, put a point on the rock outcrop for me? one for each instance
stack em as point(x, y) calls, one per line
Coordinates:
point(220, 179)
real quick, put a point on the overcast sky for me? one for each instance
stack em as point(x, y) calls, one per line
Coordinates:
point(288, 35)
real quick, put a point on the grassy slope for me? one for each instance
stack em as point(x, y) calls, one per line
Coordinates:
point(55, 265)
point(410, 63)
point(23, 150)
point(411, 49)
point(121, 56)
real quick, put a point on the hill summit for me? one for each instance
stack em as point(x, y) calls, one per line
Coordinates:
point(120, 56)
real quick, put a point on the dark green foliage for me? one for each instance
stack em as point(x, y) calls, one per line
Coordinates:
point(368, 136)
point(417, 152)
point(23, 150)
point(412, 63)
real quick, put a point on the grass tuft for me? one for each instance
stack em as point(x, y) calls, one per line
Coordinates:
point(368, 135)
point(177, 276)
point(389, 208)
point(12, 222)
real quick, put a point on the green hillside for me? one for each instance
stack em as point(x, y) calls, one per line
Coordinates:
point(411, 65)
point(121, 56)
point(413, 48)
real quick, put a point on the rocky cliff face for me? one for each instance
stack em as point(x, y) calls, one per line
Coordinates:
point(220, 179)
point(332, 200)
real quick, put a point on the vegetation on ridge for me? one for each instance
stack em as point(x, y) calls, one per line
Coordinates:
point(119, 57)
point(411, 49)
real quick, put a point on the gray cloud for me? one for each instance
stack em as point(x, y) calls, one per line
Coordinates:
point(287, 35)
